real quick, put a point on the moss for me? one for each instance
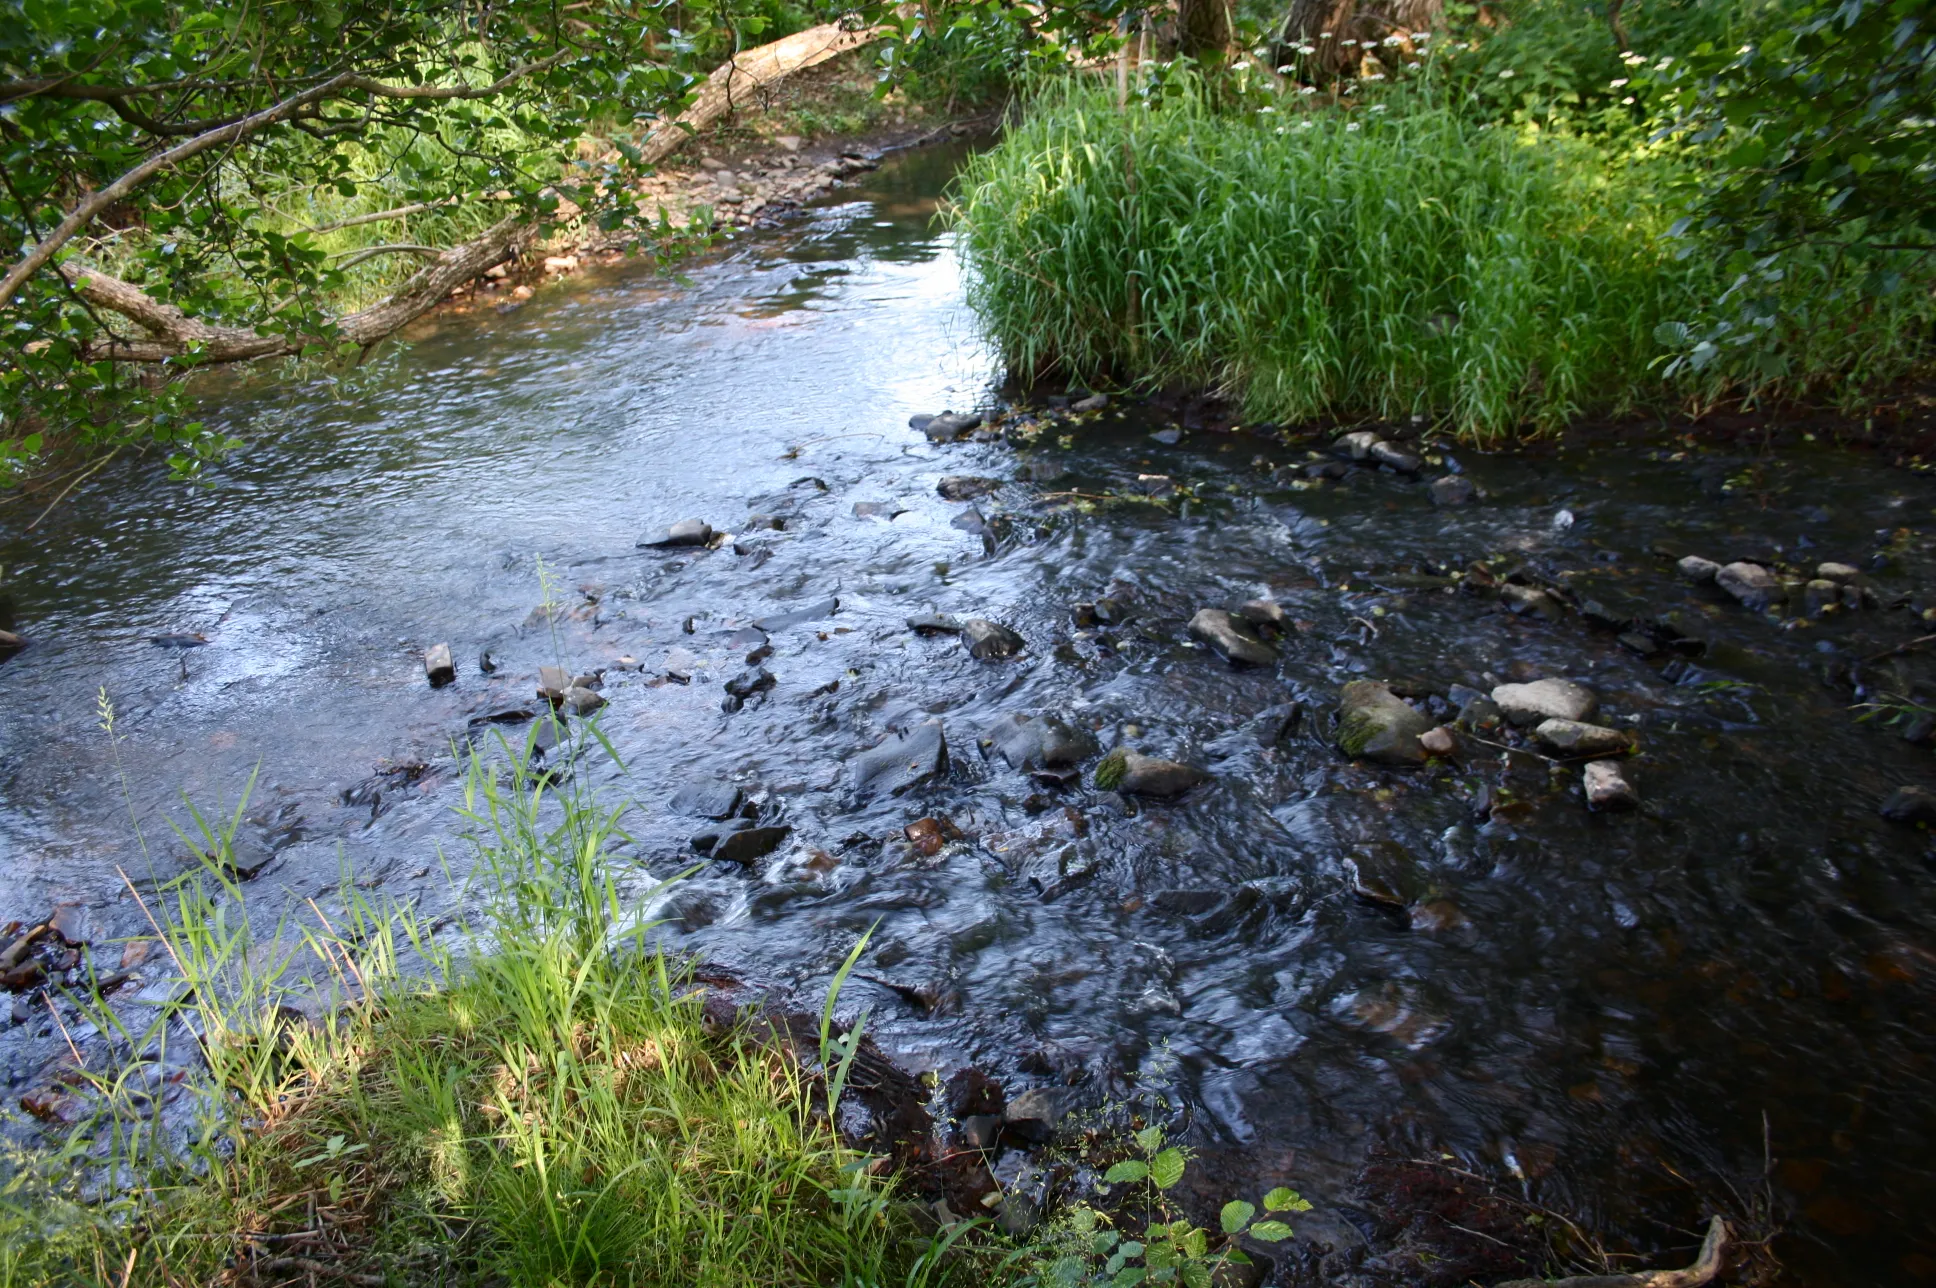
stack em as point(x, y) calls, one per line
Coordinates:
point(1109, 773)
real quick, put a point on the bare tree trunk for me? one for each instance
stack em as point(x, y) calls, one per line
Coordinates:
point(1203, 30)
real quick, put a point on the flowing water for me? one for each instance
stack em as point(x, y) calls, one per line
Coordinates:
point(1739, 972)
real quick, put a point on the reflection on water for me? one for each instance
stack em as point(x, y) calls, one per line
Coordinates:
point(1586, 999)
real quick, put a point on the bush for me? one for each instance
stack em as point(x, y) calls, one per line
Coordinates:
point(1383, 260)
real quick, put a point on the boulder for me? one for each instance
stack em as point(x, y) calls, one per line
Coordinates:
point(1750, 583)
point(686, 532)
point(1697, 569)
point(1027, 742)
point(1910, 804)
point(965, 487)
point(1376, 724)
point(902, 760)
point(1528, 704)
point(1574, 738)
point(1607, 787)
point(990, 641)
point(1231, 636)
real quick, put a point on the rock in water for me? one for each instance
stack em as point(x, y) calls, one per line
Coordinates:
point(754, 679)
point(990, 641)
point(811, 613)
point(934, 624)
point(1531, 601)
point(581, 701)
point(1697, 569)
point(965, 487)
point(1151, 776)
point(1573, 738)
point(1838, 572)
point(552, 683)
point(1042, 741)
point(1232, 637)
point(750, 843)
point(1910, 805)
point(1526, 704)
point(1453, 489)
point(1094, 402)
point(1356, 445)
point(1394, 457)
point(1440, 742)
point(1750, 583)
point(902, 761)
point(1376, 724)
point(1606, 787)
point(946, 427)
point(686, 532)
point(438, 665)
point(707, 800)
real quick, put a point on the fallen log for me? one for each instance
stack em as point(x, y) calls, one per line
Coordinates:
point(1705, 1267)
point(174, 334)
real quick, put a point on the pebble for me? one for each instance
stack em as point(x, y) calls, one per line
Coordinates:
point(1232, 637)
point(1526, 704)
point(686, 532)
point(990, 641)
point(1607, 787)
point(1440, 742)
point(438, 665)
point(1574, 738)
point(1750, 583)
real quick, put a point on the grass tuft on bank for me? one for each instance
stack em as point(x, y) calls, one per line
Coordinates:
point(544, 1105)
point(1392, 259)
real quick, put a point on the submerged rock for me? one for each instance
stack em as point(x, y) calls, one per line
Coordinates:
point(1356, 445)
point(707, 800)
point(965, 487)
point(934, 624)
point(902, 760)
point(946, 427)
point(1531, 601)
point(1526, 704)
point(1910, 804)
point(1574, 738)
point(1453, 489)
point(811, 613)
point(1750, 583)
point(1376, 724)
point(1607, 787)
point(990, 641)
point(1094, 402)
point(1232, 637)
point(743, 845)
point(1394, 457)
point(1042, 741)
point(1838, 572)
point(686, 532)
point(581, 701)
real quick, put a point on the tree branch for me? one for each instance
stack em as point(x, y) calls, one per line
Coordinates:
point(175, 334)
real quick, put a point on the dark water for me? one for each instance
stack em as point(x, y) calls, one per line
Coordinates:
point(1596, 1002)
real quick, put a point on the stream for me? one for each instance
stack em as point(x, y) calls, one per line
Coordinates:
point(1325, 961)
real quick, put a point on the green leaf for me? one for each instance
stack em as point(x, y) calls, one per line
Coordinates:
point(1236, 1215)
point(1129, 1277)
point(1129, 1169)
point(1270, 1231)
point(1167, 1168)
point(1150, 1139)
point(1285, 1199)
point(1196, 1275)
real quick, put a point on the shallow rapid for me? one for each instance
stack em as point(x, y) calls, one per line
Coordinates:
point(1735, 978)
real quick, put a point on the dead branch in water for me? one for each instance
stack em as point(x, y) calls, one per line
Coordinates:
point(1705, 1267)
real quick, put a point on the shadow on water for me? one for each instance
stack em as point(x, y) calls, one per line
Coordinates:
point(1591, 1003)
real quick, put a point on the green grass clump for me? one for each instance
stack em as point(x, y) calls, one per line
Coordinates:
point(544, 1104)
point(1377, 262)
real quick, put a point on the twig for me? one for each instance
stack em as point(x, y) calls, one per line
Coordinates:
point(356, 257)
point(90, 472)
point(1900, 648)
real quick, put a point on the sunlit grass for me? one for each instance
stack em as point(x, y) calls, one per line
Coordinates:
point(1392, 260)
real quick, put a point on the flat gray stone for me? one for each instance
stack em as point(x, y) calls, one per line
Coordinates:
point(749, 843)
point(1576, 738)
point(990, 641)
point(1528, 704)
point(1607, 787)
point(1750, 583)
point(1030, 742)
point(902, 761)
point(707, 800)
point(686, 532)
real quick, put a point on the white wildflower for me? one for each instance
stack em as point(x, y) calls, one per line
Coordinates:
point(1307, 90)
point(1627, 101)
point(1508, 74)
point(1350, 127)
point(1616, 82)
point(1393, 40)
